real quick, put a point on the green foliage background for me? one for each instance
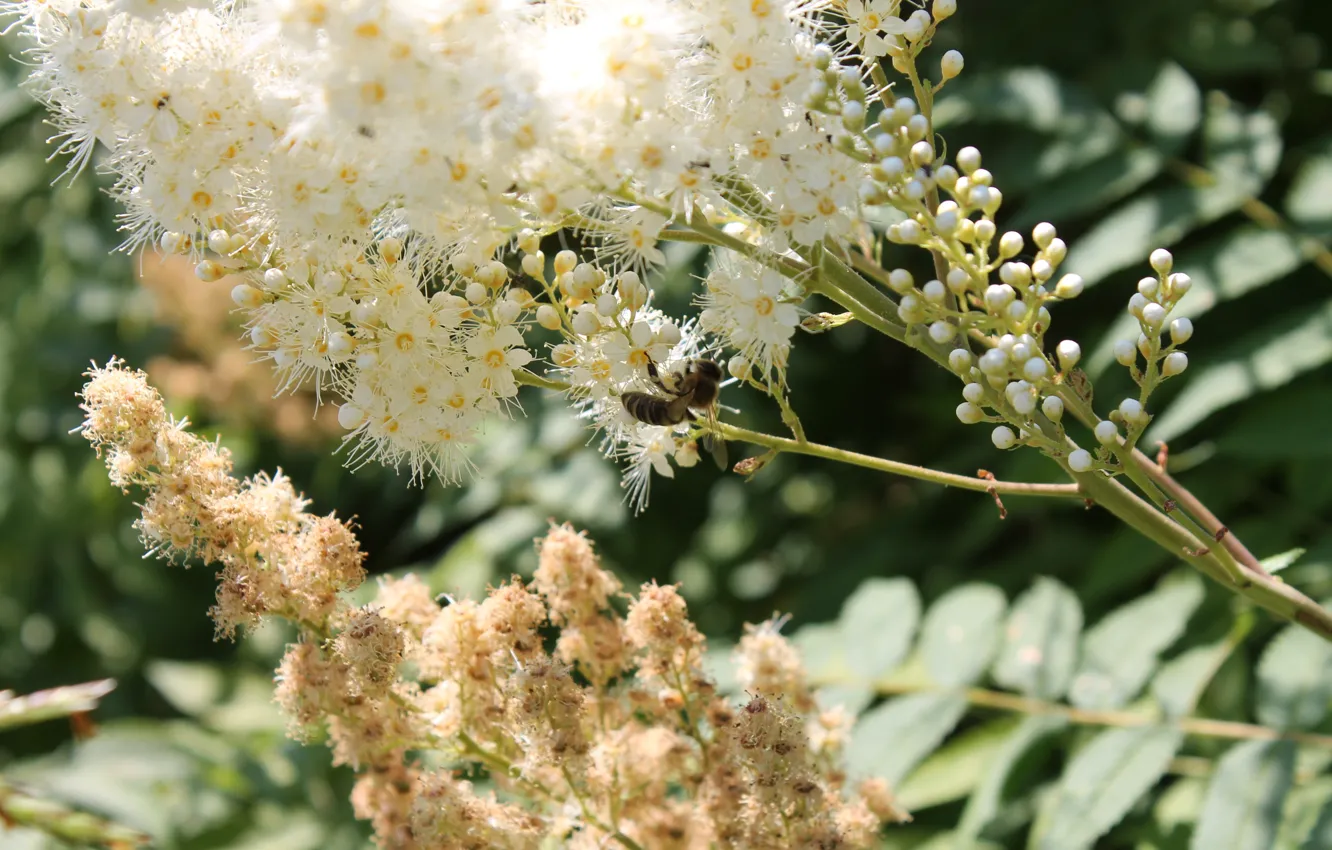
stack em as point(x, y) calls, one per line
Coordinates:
point(1202, 125)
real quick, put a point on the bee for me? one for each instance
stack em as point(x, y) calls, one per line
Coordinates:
point(695, 389)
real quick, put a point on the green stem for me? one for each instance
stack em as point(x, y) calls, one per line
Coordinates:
point(920, 473)
point(1201, 726)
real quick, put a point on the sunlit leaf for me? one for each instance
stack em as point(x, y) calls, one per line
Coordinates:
point(878, 623)
point(960, 634)
point(1294, 679)
point(1040, 646)
point(956, 768)
point(985, 803)
point(1245, 797)
point(1101, 783)
point(1120, 653)
point(890, 739)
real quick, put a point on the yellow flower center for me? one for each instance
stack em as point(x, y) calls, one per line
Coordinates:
point(495, 358)
point(404, 341)
point(764, 306)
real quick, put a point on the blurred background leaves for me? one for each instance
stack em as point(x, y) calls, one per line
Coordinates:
point(1201, 125)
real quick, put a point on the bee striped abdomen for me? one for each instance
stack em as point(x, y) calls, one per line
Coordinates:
point(652, 409)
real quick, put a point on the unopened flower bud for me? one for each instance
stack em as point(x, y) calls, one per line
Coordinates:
point(1080, 460)
point(1148, 287)
point(951, 64)
point(350, 416)
point(1053, 408)
point(1010, 244)
point(607, 304)
point(1106, 432)
point(959, 360)
point(476, 292)
point(565, 261)
point(1003, 437)
point(738, 366)
point(1035, 369)
point(1181, 331)
point(973, 393)
point(585, 322)
point(968, 159)
point(1126, 353)
point(934, 291)
point(942, 331)
point(943, 9)
point(917, 126)
point(946, 177)
point(1180, 284)
point(1174, 363)
point(245, 295)
point(1136, 303)
point(274, 278)
point(900, 281)
point(534, 265)
point(994, 362)
point(548, 317)
point(1056, 251)
point(219, 241)
point(909, 309)
point(171, 242)
point(1042, 233)
point(1161, 261)
point(1153, 314)
point(1069, 286)
point(969, 414)
point(1069, 353)
point(985, 230)
point(957, 281)
point(998, 296)
point(1131, 410)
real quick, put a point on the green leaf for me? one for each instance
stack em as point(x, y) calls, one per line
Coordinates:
point(1173, 106)
point(985, 802)
point(1264, 359)
point(1101, 783)
point(960, 634)
point(1245, 797)
point(1309, 201)
point(1040, 646)
point(1244, 152)
point(955, 769)
point(1320, 837)
point(1294, 680)
point(1181, 681)
point(1277, 563)
point(1120, 652)
point(878, 622)
point(894, 737)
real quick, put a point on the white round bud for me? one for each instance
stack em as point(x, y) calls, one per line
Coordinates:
point(1035, 369)
point(565, 261)
point(1161, 261)
point(1135, 304)
point(985, 230)
point(946, 177)
point(1174, 363)
point(246, 296)
point(979, 197)
point(390, 249)
point(900, 281)
point(607, 304)
point(914, 190)
point(917, 126)
point(1069, 353)
point(957, 281)
point(1042, 234)
point(1021, 352)
point(1053, 408)
point(1106, 432)
point(528, 241)
point(943, 9)
point(942, 331)
point(1010, 244)
point(1131, 410)
point(968, 159)
point(934, 291)
point(476, 292)
point(946, 221)
point(274, 278)
point(219, 241)
point(959, 360)
point(1154, 314)
point(973, 392)
point(350, 416)
point(998, 296)
point(339, 343)
point(909, 309)
point(891, 168)
point(1126, 353)
point(507, 311)
point(585, 322)
point(1042, 270)
point(1024, 402)
point(1069, 286)
point(1181, 331)
point(1080, 460)
point(922, 153)
point(668, 333)
point(994, 362)
point(908, 231)
point(738, 366)
point(548, 317)
point(1003, 437)
point(534, 265)
point(1056, 251)
point(1180, 284)
point(916, 25)
point(1016, 312)
point(209, 271)
point(1148, 287)
point(951, 65)
point(969, 414)
point(171, 242)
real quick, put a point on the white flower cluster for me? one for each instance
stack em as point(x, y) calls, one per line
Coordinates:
point(373, 168)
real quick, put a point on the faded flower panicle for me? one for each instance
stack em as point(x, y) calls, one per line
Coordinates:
point(596, 727)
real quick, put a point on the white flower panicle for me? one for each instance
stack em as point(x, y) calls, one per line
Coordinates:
point(380, 176)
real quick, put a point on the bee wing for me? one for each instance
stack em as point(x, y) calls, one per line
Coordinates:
point(717, 448)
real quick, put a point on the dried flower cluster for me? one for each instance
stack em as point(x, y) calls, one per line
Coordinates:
point(539, 713)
